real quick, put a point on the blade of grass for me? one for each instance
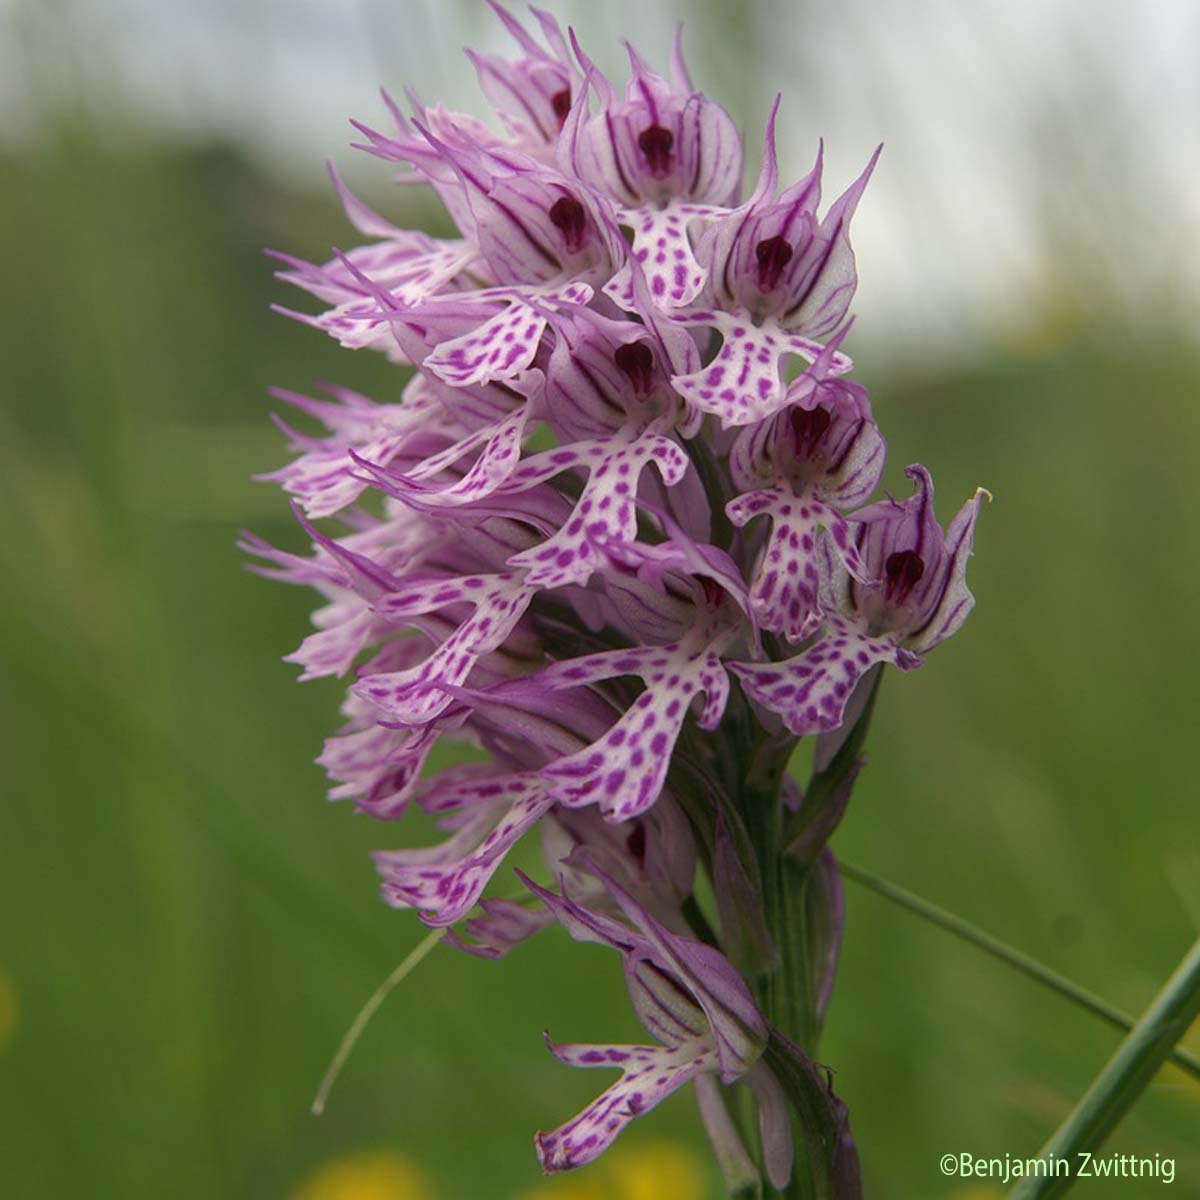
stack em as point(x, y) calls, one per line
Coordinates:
point(1029, 967)
point(368, 1010)
point(398, 975)
point(1123, 1079)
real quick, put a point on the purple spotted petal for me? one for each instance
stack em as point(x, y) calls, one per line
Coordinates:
point(323, 477)
point(661, 244)
point(346, 627)
point(499, 445)
point(624, 770)
point(446, 881)
point(605, 512)
point(744, 383)
point(502, 347)
point(418, 693)
point(784, 595)
point(649, 1074)
point(378, 767)
point(810, 691)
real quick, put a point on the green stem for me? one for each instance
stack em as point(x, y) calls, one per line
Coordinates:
point(1123, 1080)
point(378, 996)
point(783, 991)
point(1029, 967)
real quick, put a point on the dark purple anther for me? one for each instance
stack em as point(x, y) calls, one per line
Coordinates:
point(561, 103)
point(567, 216)
point(713, 592)
point(773, 255)
point(808, 427)
point(903, 570)
point(636, 359)
point(655, 143)
point(636, 842)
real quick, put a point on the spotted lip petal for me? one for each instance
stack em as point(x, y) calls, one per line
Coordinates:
point(605, 513)
point(378, 767)
point(416, 694)
point(662, 246)
point(784, 595)
point(447, 880)
point(625, 770)
point(346, 628)
point(649, 1074)
point(499, 445)
point(744, 383)
point(810, 691)
point(504, 346)
point(822, 457)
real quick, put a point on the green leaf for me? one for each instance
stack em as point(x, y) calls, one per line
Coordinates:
point(1123, 1080)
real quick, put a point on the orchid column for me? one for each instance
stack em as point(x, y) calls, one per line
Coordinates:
point(615, 536)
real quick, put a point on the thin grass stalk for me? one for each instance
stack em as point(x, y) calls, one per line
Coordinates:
point(1122, 1081)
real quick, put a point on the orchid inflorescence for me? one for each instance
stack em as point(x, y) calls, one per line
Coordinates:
point(613, 538)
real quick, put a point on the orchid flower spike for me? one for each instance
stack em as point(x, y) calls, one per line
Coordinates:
point(607, 556)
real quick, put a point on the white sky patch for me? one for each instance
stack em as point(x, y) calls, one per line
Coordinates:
point(1033, 148)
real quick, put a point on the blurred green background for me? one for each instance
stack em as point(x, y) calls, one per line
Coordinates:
point(188, 928)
